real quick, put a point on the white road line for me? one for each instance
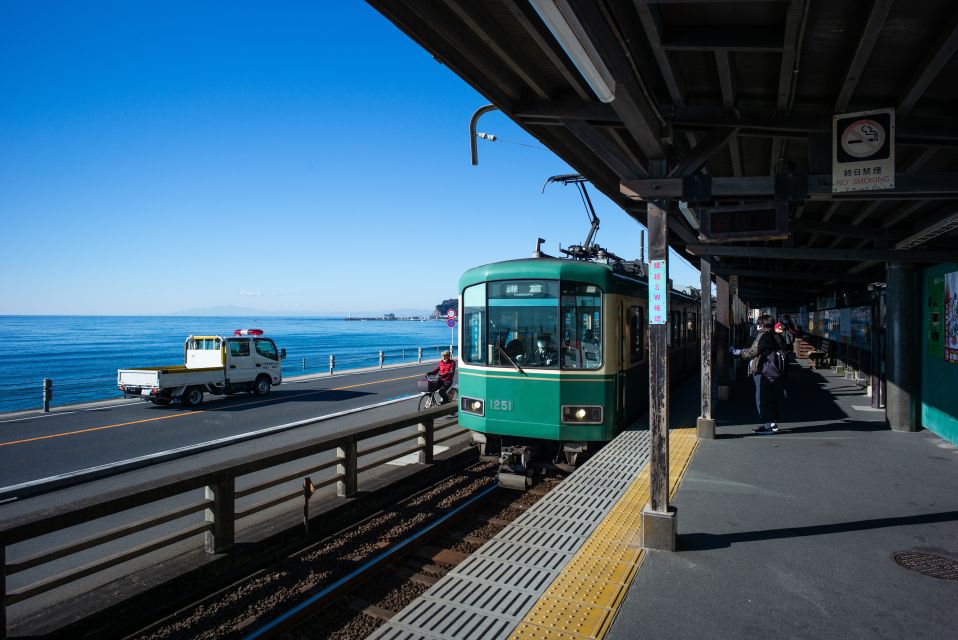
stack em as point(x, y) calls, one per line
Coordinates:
point(198, 447)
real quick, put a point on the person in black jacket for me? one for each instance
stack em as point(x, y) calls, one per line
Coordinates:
point(766, 393)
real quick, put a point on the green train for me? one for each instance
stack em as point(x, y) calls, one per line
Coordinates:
point(554, 356)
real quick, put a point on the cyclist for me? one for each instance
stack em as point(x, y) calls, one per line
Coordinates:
point(447, 371)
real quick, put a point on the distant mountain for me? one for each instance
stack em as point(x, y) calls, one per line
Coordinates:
point(246, 312)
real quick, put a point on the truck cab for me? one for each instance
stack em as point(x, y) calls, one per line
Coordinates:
point(246, 361)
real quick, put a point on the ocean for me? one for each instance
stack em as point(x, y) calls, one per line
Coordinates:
point(82, 353)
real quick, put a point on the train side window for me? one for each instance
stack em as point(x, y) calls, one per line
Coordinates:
point(693, 326)
point(473, 325)
point(581, 318)
point(636, 334)
point(675, 331)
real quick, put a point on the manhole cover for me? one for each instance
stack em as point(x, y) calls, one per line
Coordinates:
point(928, 564)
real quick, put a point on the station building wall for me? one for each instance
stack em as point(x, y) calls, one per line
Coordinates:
point(939, 350)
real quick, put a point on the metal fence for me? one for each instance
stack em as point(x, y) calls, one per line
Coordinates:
point(216, 514)
point(49, 392)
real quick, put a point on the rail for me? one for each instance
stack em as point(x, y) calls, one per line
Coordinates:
point(91, 388)
point(218, 507)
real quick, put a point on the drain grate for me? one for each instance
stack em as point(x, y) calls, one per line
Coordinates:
point(928, 564)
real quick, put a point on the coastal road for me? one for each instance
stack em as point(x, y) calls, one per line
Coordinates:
point(37, 446)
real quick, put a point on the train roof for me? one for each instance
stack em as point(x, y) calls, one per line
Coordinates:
point(611, 277)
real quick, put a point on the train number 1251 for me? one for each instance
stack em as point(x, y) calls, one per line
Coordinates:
point(502, 405)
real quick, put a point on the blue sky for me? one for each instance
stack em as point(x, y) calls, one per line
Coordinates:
point(299, 157)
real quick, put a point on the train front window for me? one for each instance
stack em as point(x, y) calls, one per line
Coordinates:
point(523, 324)
point(532, 324)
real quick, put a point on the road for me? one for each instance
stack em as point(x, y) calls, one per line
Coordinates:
point(40, 446)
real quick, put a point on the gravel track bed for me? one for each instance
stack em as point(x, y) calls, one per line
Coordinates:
point(250, 603)
point(392, 591)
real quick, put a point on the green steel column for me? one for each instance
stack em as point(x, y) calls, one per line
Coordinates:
point(902, 345)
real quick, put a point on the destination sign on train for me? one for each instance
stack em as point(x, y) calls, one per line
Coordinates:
point(526, 289)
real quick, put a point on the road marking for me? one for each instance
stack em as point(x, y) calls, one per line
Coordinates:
point(194, 448)
point(108, 426)
point(178, 415)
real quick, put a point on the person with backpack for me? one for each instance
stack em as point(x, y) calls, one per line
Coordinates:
point(766, 366)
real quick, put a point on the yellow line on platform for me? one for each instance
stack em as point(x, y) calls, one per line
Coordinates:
point(583, 600)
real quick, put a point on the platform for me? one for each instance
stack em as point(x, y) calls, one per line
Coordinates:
point(790, 535)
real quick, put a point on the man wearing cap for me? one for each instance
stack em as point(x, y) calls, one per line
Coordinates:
point(447, 372)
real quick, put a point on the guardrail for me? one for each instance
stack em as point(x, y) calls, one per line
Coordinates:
point(219, 505)
point(20, 397)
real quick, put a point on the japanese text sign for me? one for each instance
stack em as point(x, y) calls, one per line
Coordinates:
point(863, 151)
point(658, 292)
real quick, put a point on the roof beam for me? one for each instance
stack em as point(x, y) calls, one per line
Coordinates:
point(652, 25)
point(726, 78)
point(932, 66)
point(527, 17)
point(631, 103)
point(753, 39)
point(843, 230)
point(873, 26)
point(485, 76)
point(907, 185)
point(788, 70)
point(493, 37)
point(842, 255)
point(608, 152)
point(705, 149)
point(787, 275)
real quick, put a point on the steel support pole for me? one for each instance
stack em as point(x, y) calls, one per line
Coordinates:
point(658, 518)
point(705, 425)
point(723, 327)
point(901, 346)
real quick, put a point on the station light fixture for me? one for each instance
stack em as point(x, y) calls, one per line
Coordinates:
point(689, 213)
point(568, 31)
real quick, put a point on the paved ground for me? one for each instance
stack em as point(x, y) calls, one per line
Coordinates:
point(793, 535)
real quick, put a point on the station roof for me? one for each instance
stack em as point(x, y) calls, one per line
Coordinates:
point(660, 99)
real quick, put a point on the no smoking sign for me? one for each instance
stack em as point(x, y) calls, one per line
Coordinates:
point(863, 151)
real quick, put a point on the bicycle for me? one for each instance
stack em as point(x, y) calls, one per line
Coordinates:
point(430, 393)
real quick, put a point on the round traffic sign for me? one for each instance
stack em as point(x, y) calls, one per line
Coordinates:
point(451, 322)
point(451, 313)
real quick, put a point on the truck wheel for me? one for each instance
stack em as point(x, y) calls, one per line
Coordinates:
point(192, 397)
point(261, 386)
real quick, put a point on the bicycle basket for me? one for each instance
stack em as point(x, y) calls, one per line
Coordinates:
point(428, 386)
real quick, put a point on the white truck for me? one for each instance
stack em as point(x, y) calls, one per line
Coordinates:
point(246, 361)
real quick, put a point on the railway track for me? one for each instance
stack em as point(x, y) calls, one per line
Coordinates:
point(362, 576)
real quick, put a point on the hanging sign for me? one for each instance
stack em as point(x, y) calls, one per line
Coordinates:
point(658, 292)
point(863, 151)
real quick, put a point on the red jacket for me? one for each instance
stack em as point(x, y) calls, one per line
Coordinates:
point(446, 370)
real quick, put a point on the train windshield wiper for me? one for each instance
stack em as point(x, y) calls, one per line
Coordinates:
point(511, 361)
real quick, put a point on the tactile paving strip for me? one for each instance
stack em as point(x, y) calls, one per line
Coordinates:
point(561, 568)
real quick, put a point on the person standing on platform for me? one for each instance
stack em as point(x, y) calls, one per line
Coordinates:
point(766, 400)
point(447, 373)
point(782, 340)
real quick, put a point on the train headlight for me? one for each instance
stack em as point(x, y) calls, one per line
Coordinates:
point(473, 406)
point(582, 414)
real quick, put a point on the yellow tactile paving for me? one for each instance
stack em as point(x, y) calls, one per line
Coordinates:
point(581, 602)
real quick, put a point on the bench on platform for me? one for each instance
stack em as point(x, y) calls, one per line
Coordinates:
point(821, 357)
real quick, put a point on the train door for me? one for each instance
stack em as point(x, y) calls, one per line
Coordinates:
point(621, 365)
